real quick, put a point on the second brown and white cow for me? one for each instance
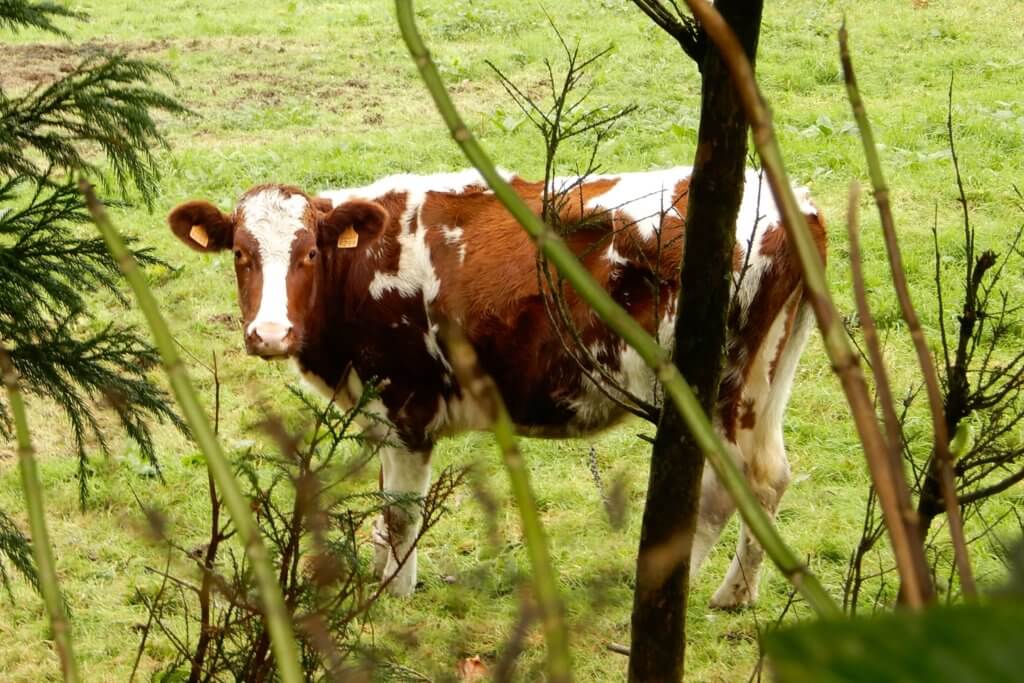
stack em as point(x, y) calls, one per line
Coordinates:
point(350, 284)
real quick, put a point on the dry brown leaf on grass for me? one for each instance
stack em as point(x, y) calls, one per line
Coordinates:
point(472, 669)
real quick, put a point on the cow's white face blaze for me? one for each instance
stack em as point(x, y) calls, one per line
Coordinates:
point(282, 241)
point(275, 222)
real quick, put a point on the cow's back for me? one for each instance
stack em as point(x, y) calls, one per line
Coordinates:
point(454, 248)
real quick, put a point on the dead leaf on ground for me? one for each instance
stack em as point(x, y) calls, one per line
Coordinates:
point(472, 669)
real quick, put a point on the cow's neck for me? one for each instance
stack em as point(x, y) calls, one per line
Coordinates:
point(330, 341)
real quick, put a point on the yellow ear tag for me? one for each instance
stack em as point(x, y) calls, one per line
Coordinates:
point(348, 239)
point(199, 236)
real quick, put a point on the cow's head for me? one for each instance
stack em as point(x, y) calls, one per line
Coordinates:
point(284, 241)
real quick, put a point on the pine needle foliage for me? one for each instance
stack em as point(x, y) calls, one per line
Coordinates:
point(107, 101)
point(17, 550)
point(97, 120)
point(15, 14)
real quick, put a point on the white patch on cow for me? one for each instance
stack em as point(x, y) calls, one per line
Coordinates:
point(453, 236)
point(273, 218)
point(645, 197)
point(317, 384)
point(434, 349)
point(404, 473)
point(413, 184)
point(759, 215)
point(415, 269)
point(614, 257)
point(667, 324)
point(785, 369)
point(464, 414)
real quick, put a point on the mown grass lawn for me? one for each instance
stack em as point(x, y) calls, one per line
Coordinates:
point(323, 94)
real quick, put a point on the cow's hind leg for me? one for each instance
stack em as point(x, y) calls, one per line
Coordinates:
point(405, 475)
point(768, 478)
point(716, 508)
point(767, 468)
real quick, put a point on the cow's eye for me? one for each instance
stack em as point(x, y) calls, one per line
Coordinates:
point(238, 254)
point(313, 253)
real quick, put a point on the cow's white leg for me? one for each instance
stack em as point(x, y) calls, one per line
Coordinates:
point(716, 508)
point(404, 473)
point(768, 476)
point(764, 450)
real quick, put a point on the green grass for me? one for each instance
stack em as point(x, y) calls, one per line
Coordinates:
point(323, 94)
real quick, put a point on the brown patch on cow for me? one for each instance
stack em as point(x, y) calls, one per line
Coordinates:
point(748, 418)
point(791, 310)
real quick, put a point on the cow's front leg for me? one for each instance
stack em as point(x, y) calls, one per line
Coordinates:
point(405, 474)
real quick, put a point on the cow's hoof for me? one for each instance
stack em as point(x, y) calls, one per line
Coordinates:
point(732, 597)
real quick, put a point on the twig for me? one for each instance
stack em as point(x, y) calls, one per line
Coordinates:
point(150, 618)
point(210, 556)
point(41, 549)
point(883, 390)
point(278, 622)
point(924, 356)
point(618, 649)
point(683, 29)
point(624, 325)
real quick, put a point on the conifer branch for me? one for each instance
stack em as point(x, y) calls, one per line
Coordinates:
point(18, 550)
point(107, 101)
point(18, 14)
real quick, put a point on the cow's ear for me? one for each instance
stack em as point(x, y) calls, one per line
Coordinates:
point(202, 226)
point(353, 224)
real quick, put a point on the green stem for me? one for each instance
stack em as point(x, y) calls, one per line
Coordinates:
point(940, 434)
point(890, 482)
point(556, 251)
point(277, 617)
point(41, 549)
point(483, 390)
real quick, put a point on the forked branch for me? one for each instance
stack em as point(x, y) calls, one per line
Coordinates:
point(682, 28)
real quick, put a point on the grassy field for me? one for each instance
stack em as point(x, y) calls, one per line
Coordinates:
point(323, 94)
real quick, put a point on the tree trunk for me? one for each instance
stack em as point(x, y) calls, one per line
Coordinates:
point(677, 463)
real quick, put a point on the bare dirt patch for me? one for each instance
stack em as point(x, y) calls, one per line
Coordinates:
point(34, 64)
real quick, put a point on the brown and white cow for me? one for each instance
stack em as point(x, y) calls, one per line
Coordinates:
point(350, 285)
